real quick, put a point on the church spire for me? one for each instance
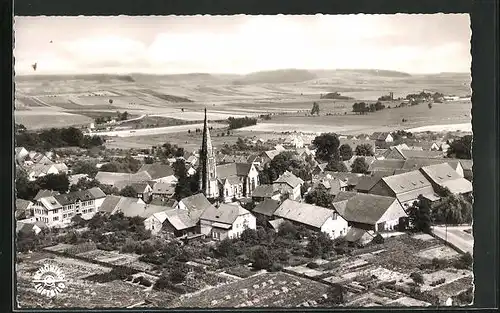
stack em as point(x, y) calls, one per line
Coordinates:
point(208, 167)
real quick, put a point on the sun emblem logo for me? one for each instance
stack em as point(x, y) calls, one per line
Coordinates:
point(49, 280)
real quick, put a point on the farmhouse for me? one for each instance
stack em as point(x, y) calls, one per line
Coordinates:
point(23, 209)
point(45, 193)
point(264, 192)
point(39, 170)
point(397, 153)
point(416, 164)
point(60, 209)
point(160, 173)
point(443, 176)
point(229, 220)
point(37, 158)
point(113, 204)
point(143, 190)
point(319, 168)
point(154, 223)
point(139, 209)
point(368, 159)
point(163, 191)
point(197, 202)
point(27, 228)
point(380, 137)
point(350, 179)
point(266, 208)
point(366, 183)
point(182, 222)
point(386, 165)
point(237, 180)
point(333, 184)
point(289, 183)
point(313, 217)
point(21, 153)
point(369, 212)
point(268, 156)
point(406, 187)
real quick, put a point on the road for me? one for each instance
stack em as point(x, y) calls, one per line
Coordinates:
point(456, 236)
point(152, 131)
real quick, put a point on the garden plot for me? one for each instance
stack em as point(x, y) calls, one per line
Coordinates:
point(369, 299)
point(440, 252)
point(75, 269)
point(424, 237)
point(59, 247)
point(336, 279)
point(383, 274)
point(445, 291)
point(407, 301)
point(265, 290)
point(449, 276)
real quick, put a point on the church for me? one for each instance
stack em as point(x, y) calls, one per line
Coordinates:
point(224, 182)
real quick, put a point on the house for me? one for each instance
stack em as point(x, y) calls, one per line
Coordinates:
point(416, 164)
point(23, 209)
point(142, 190)
point(58, 210)
point(45, 193)
point(117, 179)
point(192, 160)
point(289, 183)
point(406, 187)
point(29, 227)
point(386, 165)
point(237, 180)
point(165, 202)
point(181, 223)
point(162, 191)
point(266, 208)
point(20, 154)
point(402, 154)
point(194, 203)
point(366, 183)
point(37, 158)
point(279, 148)
point(73, 179)
point(444, 176)
point(39, 170)
point(350, 179)
point(467, 168)
point(334, 185)
point(370, 212)
point(142, 210)
point(190, 170)
point(368, 159)
point(264, 192)
point(381, 137)
point(229, 220)
point(313, 217)
point(276, 224)
point(160, 173)
point(154, 223)
point(61, 168)
point(268, 156)
point(112, 204)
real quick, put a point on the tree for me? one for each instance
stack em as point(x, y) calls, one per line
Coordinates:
point(315, 109)
point(110, 167)
point(56, 182)
point(364, 149)
point(128, 191)
point(320, 245)
point(453, 209)
point(85, 183)
point(461, 148)
point(359, 166)
point(319, 196)
point(335, 294)
point(287, 229)
point(417, 278)
point(261, 259)
point(360, 107)
point(327, 147)
point(285, 161)
point(84, 167)
point(149, 160)
point(419, 215)
point(345, 152)
point(336, 166)
point(177, 275)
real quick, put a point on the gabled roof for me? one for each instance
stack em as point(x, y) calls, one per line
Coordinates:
point(226, 213)
point(45, 193)
point(392, 150)
point(39, 169)
point(231, 180)
point(265, 191)
point(266, 207)
point(303, 213)
point(196, 202)
point(412, 154)
point(365, 208)
point(271, 154)
point(109, 178)
point(141, 210)
point(353, 143)
point(409, 185)
point(163, 188)
point(289, 179)
point(276, 223)
point(181, 219)
point(386, 164)
point(110, 203)
point(368, 159)
point(157, 170)
point(367, 182)
point(445, 176)
point(61, 167)
point(22, 205)
point(233, 169)
point(50, 202)
point(160, 216)
point(466, 164)
point(415, 164)
point(351, 179)
point(82, 195)
point(379, 136)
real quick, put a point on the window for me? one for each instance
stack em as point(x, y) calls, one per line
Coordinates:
point(56, 218)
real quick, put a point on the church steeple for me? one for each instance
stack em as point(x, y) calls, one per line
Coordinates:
point(208, 167)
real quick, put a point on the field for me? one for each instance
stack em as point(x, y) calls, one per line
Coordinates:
point(166, 96)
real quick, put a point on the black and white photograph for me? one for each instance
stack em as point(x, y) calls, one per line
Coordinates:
point(243, 161)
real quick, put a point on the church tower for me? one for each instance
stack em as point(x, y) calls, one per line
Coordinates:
point(208, 167)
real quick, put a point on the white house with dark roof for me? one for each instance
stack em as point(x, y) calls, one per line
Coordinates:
point(163, 191)
point(289, 183)
point(406, 187)
point(58, 210)
point(314, 217)
point(228, 220)
point(237, 180)
point(194, 203)
point(443, 175)
point(370, 212)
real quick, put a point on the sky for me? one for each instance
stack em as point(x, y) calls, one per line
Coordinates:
point(241, 44)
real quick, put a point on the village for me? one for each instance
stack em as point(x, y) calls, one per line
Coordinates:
point(380, 219)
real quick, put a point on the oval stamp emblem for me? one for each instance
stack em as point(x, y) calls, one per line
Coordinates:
point(49, 280)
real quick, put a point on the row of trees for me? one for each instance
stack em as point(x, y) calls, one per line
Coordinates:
point(461, 148)
point(56, 138)
point(122, 165)
point(362, 107)
point(235, 123)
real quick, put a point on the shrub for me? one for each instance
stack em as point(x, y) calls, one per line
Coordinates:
point(177, 275)
point(417, 278)
point(464, 261)
point(312, 265)
point(378, 239)
point(276, 267)
point(438, 263)
point(261, 259)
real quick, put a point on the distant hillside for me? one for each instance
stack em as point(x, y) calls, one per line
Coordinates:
point(276, 77)
point(86, 77)
point(364, 72)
